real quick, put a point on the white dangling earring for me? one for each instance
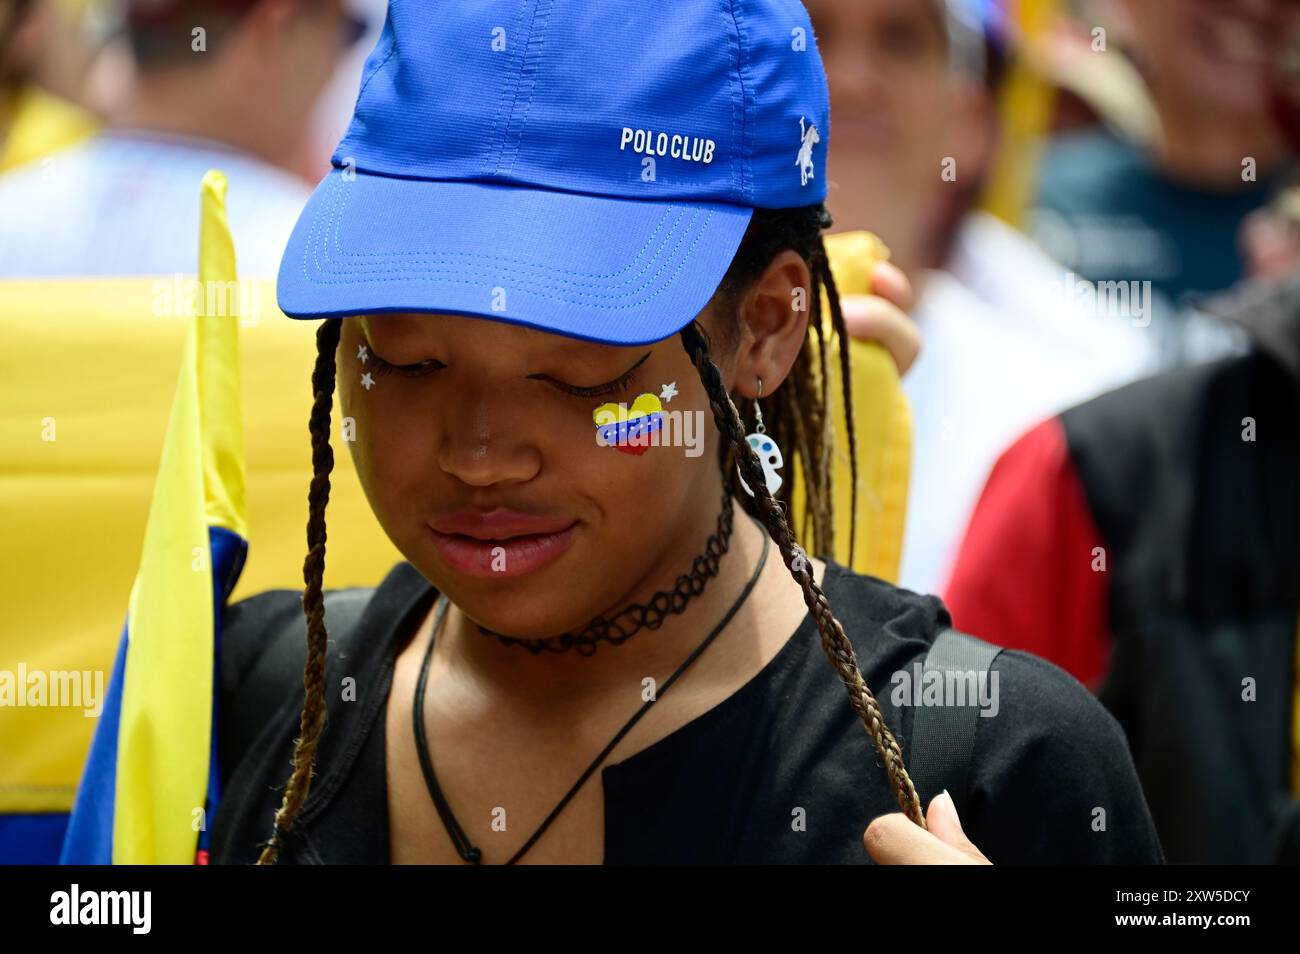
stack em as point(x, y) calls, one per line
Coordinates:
point(769, 455)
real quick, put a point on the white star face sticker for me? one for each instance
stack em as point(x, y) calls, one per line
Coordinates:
point(367, 381)
point(668, 392)
point(361, 354)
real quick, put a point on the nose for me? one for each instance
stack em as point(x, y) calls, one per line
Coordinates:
point(487, 443)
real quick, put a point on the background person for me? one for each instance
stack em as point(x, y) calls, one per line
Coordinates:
point(1009, 338)
point(1168, 211)
point(219, 83)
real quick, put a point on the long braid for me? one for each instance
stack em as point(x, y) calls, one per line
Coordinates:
point(822, 420)
point(788, 417)
point(821, 415)
point(803, 405)
point(822, 272)
point(314, 712)
point(838, 648)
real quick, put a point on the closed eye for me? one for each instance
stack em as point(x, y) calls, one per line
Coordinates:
point(596, 390)
point(423, 368)
point(426, 367)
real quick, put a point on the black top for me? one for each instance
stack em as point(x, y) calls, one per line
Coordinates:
point(1049, 769)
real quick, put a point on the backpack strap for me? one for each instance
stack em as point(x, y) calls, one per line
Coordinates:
point(343, 609)
point(286, 646)
point(943, 737)
point(270, 632)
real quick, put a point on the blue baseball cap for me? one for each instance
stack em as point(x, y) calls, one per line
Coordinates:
point(586, 168)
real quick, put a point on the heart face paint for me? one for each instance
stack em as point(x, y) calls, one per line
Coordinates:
point(630, 431)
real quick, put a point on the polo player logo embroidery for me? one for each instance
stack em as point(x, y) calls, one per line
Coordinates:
point(807, 138)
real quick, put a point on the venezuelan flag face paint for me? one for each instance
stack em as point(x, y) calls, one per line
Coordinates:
point(629, 430)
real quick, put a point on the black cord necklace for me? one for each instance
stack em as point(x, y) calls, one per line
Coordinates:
point(458, 836)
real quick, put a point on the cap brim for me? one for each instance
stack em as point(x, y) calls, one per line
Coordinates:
point(616, 271)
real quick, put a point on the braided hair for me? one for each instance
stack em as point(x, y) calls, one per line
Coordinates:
point(799, 417)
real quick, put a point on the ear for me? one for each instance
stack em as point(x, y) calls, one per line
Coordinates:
point(774, 321)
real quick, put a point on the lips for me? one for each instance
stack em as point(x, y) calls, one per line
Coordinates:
point(501, 543)
point(501, 523)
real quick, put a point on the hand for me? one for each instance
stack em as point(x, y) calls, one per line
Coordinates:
point(882, 316)
point(897, 840)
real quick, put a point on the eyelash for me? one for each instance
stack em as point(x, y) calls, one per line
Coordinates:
point(598, 390)
point(420, 370)
point(425, 368)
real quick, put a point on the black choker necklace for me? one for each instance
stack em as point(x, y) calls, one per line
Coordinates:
point(641, 616)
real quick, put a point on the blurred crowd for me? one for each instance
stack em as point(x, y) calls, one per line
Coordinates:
point(1094, 201)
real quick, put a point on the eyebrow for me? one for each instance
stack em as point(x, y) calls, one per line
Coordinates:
point(641, 361)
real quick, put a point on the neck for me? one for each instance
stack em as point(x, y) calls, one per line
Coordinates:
point(560, 682)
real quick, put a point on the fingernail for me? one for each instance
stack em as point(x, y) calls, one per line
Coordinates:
point(951, 807)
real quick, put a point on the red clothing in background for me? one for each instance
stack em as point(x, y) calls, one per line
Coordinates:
point(1024, 577)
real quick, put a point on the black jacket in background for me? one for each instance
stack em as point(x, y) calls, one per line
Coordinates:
point(1204, 531)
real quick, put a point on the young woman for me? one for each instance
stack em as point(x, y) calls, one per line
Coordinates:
point(550, 241)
